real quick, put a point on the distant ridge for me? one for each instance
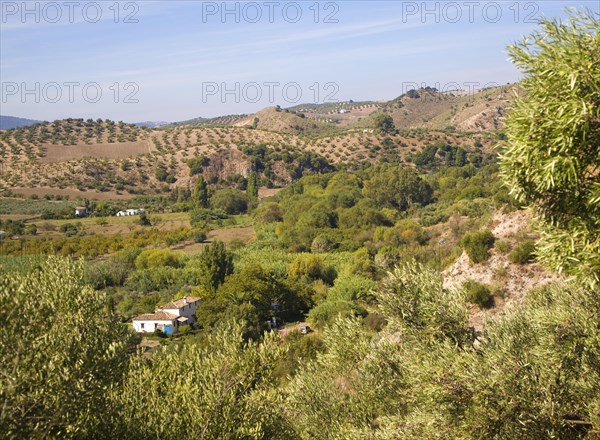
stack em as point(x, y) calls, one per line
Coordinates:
point(8, 122)
point(152, 124)
point(426, 107)
point(224, 120)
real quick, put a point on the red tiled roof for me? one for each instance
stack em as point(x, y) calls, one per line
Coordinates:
point(179, 303)
point(158, 316)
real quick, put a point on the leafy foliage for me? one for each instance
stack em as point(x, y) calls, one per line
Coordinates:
point(229, 200)
point(392, 354)
point(384, 123)
point(60, 352)
point(215, 263)
point(200, 193)
point(220, 389)
point(412, 297)
point(398, 188)
point(553, 140)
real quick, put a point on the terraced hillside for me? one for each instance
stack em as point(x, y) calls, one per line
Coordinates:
point(101, 158)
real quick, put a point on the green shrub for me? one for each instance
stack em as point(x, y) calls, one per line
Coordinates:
point(159, 333)
point(101, 221)
point(308, 268)
point(199, 236)
point(269, 213)
point(232, 201)
point(326, 312)
point(503, 246)
point(143, 220)
point(375, 321)
point(350, 286)
point(477, 244)
point(524, 253)
point(151, 258)
point(478, 293)
point(322, 243)
point(62, 344)
point(302, 348)
point(201, 216)
point(184, 329)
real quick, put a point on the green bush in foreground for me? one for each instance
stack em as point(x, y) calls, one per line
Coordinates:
point(60, 352)
point(553, 140)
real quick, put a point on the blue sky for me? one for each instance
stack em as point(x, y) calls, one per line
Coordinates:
point(176, 60)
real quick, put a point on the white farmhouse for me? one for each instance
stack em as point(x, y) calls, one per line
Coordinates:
point(81, 211)
point(129, 212)
point(168, 317)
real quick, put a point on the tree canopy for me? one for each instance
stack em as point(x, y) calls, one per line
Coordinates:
point(399, 188)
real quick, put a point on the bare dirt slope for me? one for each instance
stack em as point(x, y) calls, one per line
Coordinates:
point(63, 153)
point(513, 281)
point(480, 111)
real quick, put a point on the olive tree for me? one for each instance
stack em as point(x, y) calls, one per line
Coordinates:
point(221, 388)
point(553, 140)
point(60, 352)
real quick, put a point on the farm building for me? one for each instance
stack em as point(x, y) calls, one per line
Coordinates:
point(168, 317)
point(129, 212)
point(81, 211)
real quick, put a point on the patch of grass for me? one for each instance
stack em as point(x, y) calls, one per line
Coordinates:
point(31, 207)
point(524, 253)
point(503, 246)
point(500, 271)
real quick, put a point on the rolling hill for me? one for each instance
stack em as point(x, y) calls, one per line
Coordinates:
point(423, 108)
point(102, 158)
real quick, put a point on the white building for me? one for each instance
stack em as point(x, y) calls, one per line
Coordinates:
point(168, 317)
point(81, 211)
point(129, 212)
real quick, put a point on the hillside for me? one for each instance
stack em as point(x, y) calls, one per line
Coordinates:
point(218, 121)
point(428, 108)
point(106, 159)
point(103, 158)
point(510, 282)
point(423, 108)
point(152, 124)
point(73, 155)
